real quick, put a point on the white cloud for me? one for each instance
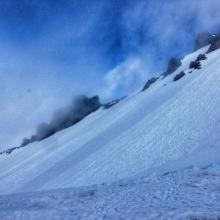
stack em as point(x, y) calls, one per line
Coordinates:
point(124, 78)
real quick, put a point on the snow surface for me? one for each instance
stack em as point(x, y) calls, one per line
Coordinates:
point(154, 155)
point(191, 193)
point(145, 131)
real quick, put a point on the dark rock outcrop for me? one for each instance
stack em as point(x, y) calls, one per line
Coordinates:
point(203, 39)
point(215, 44)
point(179, 76)
point(149, 83)
point(201, 57)
point(64, 118)
point(112, 103)
point(173, 65)
point(197, 63)
point(9, 151)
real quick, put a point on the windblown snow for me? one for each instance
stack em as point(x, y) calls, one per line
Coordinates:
point(169, 126)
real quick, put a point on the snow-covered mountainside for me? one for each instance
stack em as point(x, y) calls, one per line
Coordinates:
point(171, 122)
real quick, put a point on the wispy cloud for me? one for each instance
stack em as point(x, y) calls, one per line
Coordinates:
point(123, 79)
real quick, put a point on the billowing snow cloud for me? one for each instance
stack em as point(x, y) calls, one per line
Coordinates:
point(126, 77)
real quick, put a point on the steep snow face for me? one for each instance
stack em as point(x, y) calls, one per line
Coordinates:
point(167, 122)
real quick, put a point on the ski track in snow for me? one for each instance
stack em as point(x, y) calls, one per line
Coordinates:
point(190, 193)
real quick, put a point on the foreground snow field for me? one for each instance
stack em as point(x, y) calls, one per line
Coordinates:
point(191, 193)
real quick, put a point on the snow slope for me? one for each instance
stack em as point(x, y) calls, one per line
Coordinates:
point(191, 193)
point(152, 130)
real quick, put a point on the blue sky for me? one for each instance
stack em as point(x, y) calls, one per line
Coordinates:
point(51, 50)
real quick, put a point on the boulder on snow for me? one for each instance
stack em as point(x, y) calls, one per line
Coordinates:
point(197, 63)
point(201, 57)
point(179, 76)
